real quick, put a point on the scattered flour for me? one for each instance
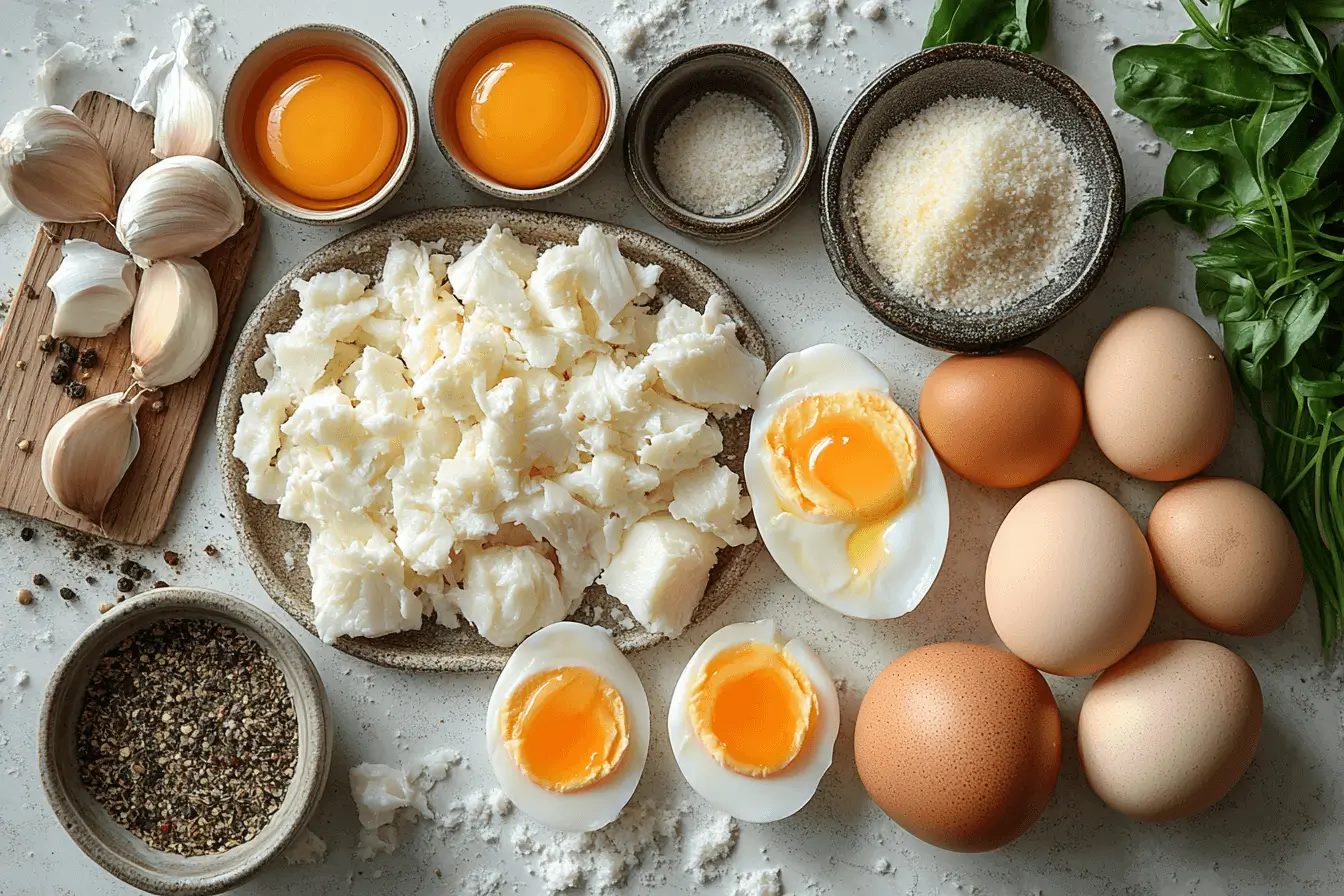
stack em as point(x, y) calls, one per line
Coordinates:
point(307, 849)
point(711, 847)
point(646, 28)
point(20, 678)
point(802, 27)
point(385, 796)
point(482, 883)
point(602, 860)
point(758, 883)
point(478, 813)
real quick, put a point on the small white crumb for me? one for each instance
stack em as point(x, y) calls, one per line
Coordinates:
point(307, 849)
point(482, 883)
point(758, 883)
point(20, 678)
point(1151, 147)
point(1098, 17)
point(125, 39)
point(1108, 41)
point(289, 560)
point(881, 866)
point(1153, 4)
point(873, 10)
point(711, 848)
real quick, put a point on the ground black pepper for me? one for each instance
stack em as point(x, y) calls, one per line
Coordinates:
point(39, 580)
point(188, 736)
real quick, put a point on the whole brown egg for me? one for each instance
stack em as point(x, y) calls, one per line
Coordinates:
point(959, 744)
point(1004, 421)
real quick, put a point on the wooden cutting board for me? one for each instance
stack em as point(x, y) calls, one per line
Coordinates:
point(30, 404)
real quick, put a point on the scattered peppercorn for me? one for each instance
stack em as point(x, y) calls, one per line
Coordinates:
point(45, 344)
point(90, 580)
point(68, 594)
point(170, 557)
point(27, 533)
point(88, 358)
point(102, 551)
point(67, 352)
point(125, 584)
point(25, 597)
point(160, 584)
point(21, 364)
point(133, 570)
point(158, 406)
point(60, 373)
point(211, 551)
point(76, 390)
point(105, 606)
point(24, 445)
point(39, 580)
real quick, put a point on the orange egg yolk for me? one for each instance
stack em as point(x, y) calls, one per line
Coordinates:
point(529, 113)
point(566, 728)
point(752, 707)
point(846, 456)
point(327, 129)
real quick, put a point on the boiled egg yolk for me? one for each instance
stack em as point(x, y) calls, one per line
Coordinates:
point(846, 456)
point(529, 113)
point(566, 728)
point(752, 707)
point(327, 129)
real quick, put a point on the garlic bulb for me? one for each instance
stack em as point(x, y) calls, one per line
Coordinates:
point(178, 208)
point(173, 328)
point(94, 289)
point(53, 167)
point(88, 451)
point(183, 107)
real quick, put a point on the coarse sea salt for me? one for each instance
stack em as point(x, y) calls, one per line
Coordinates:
point(720, 155)
point(758, 883)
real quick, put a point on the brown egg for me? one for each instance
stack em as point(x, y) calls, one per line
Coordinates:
point(1168, 731)
point(1159, 399)
point(1005, 420)
point(1225, 550)
point(1069, 583)
point(959, 744)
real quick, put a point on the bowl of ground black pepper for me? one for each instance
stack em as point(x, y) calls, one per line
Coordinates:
point(184, 741)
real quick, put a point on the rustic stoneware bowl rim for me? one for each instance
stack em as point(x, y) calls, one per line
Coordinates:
point(873, 293)
point(760, 218)
point(310, 703)
point(733, 562)
point(404, 167)
point(533, 194)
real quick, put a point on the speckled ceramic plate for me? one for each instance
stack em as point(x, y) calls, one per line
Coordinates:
point(266, 538)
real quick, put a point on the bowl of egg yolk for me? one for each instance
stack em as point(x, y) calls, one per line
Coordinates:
point(524, 103)
point(320, 124)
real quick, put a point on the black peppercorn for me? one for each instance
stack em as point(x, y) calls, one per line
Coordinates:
point(26, 533)
point(60, 373)
point(76, 390)
point(67, 352)
point(68, 594)
point(124, 584)
point(39, 580)
point(88, 358)
point(45, 344)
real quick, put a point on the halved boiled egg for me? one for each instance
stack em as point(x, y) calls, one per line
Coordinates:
point(568, 727)
point(848, 495)
point(753, 722)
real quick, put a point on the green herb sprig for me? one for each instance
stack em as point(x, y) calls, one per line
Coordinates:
point(1249, 98)
point(1016, 24)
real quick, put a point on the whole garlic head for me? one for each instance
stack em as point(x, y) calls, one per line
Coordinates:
point(174, 324)
point(53, 167)
point(94, 290)
point(87, 453)
point(179, 208)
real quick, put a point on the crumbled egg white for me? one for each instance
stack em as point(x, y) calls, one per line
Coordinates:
point(486, 435)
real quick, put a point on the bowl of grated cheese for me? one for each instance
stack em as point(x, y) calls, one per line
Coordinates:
point(971, 197)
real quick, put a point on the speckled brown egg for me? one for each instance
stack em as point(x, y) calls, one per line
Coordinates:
point(1225, 550)
point(1069, 583)
point(1159, 399)
point(959, 744)
point(1168, 731)
point(1004, 420)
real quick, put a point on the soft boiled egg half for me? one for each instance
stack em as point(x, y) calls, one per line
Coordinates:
point(568, 728)
point(753, 722)
point(847, 492)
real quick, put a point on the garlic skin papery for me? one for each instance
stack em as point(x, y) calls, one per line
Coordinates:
point(174, 324)
point(88, 451)
point(94, 290)
point(182, 104)
point(179, 208)
point(53, 167)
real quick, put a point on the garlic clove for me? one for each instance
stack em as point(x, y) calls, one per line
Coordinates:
point(87, 453)
point(53, 167)
point(94, 290)
point(184, 120)
point(179, 208)
point(174, 324)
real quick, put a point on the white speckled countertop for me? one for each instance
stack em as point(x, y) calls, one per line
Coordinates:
point(1281, 830)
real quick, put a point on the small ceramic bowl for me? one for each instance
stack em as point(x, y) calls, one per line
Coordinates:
point(726, 68)
point(93, 829)
point(237, 113)
point(972, 70)
point(490, 31)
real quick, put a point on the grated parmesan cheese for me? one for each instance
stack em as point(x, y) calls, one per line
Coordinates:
point(720, 155)
point(972, 204)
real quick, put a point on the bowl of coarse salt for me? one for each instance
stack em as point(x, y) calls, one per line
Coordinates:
point(721, 143)
point(971, 197)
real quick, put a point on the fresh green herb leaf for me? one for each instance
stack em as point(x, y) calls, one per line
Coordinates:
point(1278, 54)
point(1016, 24)
point(1180, 86)
point(1300, 176)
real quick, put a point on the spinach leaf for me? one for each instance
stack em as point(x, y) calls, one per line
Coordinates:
point(1300, 176)
point(1299, 316)
point(1320, 10)
point(1180, 86)
point(1016, 24)
point(1278, 54)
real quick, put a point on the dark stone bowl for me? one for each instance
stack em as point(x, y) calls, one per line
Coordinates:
point(908, 88)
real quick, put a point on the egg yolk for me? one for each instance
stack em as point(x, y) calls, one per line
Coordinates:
point(566, 728)
point(327, 129)
point(529, 113)
point(752, 707)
